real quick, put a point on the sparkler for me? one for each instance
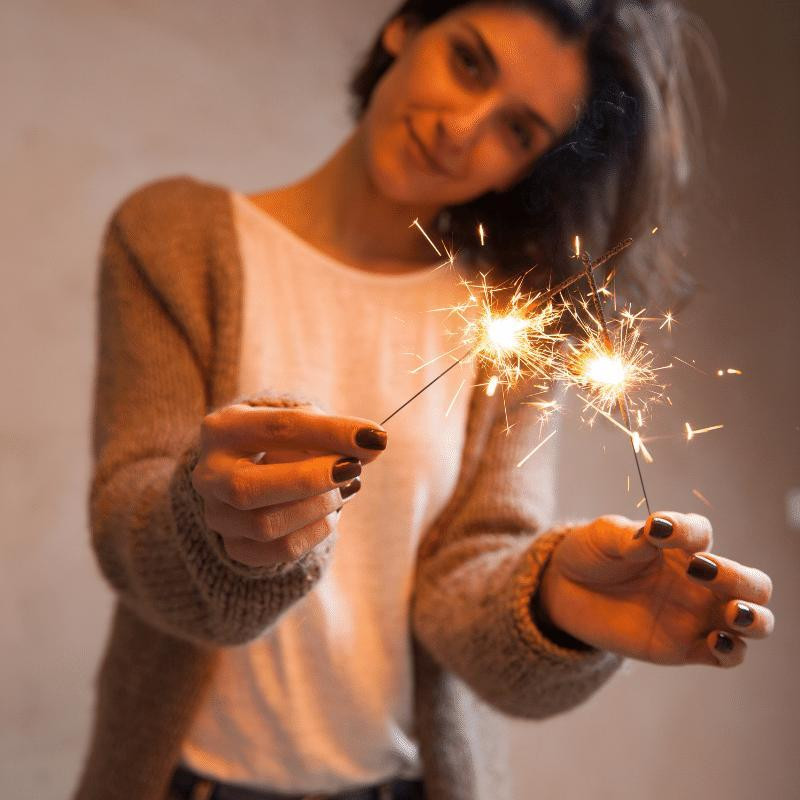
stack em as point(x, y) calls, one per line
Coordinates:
point(607, 368)
point(518, 338)
point(513, 339)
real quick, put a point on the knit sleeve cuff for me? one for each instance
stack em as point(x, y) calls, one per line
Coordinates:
point(198, 541)
point(526, 582)
point(195, 536)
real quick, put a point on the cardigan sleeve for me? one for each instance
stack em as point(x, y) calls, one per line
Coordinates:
point(147, 521)
point(478, 569)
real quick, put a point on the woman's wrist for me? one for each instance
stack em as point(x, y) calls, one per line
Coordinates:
point(547, 628)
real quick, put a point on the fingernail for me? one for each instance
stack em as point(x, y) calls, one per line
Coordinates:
point(724, 643)
point(703, 568)
point(345, 469)
point(350, 489)
point(371, 438)
point(660, 528)
point(744, 615)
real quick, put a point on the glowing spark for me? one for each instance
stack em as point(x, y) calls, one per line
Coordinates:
point(490, 389)
point(434, 359)
point(482, 234)
point(728, 371)
point(634, 436)
point(422, 231)
point(629, 484)
point(700, 497)
point(691, 433)
point(640, 503)
point(692, 366)
point(511, 332)
point(577, 247)
point(452, 402)
point(668, 320)
point(543, 442)
point(654, 229)
point(611, 366)
point(451, 258)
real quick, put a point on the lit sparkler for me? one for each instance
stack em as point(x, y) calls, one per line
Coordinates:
point(514, 338)
point(609, 369)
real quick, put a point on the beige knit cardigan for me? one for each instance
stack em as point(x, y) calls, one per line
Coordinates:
point(169, 333)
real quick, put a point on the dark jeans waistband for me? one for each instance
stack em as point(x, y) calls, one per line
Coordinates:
point(187, 785)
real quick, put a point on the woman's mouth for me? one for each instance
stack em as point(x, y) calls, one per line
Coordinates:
point(423, 155)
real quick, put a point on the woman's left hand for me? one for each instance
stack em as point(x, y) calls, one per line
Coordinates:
point(660, 596)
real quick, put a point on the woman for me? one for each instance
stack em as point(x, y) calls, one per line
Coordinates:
point(366, 638)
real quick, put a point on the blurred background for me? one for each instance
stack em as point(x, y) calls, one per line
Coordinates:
point(100, 96)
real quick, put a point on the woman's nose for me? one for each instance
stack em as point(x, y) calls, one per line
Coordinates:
point(459, 128)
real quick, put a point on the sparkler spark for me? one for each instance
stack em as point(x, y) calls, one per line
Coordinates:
point(612, 364)
point(701, 497)
point(510, 331)
point(691, 433)
point(543, 442)
point(482, 234)
point(416, 224)
point(668, 321)
point(452, 402)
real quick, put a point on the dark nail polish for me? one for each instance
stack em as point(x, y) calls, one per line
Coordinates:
point(350, 489)
point(744, 615)
point(345, 469)
point(371, 438)
point(703, 568)
point(660, 528)
point(724, 643)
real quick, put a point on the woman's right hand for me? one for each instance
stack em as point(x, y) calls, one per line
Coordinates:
point(273, 480)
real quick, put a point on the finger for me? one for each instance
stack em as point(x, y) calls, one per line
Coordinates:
point(249, 429)
point(748, 619)
point(671, 529)
point(288, 548)
point(728, 578)
point(248, 486)
point(727, 649)
point(271, 522)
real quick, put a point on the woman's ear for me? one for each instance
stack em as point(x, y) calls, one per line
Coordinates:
point(397, 33)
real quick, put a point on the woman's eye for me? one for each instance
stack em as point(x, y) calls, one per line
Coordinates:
point(467, 61)
point(521, 133)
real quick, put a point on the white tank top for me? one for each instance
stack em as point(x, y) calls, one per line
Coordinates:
point(323, 701)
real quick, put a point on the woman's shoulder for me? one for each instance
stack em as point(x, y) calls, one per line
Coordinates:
point(178, 233)
point(169, 206)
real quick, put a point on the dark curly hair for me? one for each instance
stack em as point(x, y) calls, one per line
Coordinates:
point(622, 168)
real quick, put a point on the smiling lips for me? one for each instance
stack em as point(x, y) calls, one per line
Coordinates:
point(432, 164)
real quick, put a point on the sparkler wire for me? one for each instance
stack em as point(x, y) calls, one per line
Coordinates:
point(430, 383)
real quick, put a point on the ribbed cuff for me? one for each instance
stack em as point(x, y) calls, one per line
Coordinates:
point(528, 580)
point(189, 509)
point(543, 622)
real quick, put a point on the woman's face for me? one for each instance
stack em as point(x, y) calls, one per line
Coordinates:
point(470, 102)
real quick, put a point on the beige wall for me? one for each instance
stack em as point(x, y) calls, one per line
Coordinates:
point(98, 97)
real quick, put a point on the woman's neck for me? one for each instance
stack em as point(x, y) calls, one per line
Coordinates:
point(339, 210)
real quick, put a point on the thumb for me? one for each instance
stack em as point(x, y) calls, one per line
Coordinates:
point(621, 538)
